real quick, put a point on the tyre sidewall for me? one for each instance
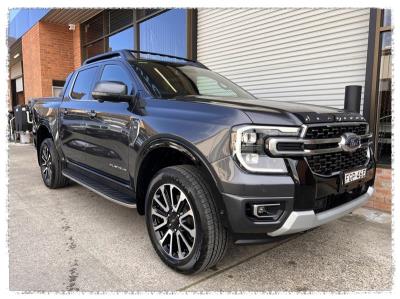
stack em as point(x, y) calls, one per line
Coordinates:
point(172, 176)
point(54, 161)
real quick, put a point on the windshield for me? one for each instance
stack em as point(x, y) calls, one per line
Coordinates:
point(170, 80)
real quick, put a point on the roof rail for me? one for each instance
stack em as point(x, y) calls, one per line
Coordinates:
point(129, 56)
point(169, 56)
point(163, 55)
point(124, 54)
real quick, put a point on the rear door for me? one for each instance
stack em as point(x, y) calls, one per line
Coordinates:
point(73, 111)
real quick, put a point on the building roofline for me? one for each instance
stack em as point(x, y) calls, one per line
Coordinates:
point(67, 16)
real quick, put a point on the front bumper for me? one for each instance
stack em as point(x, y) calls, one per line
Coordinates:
point(299, 221)
point(309, 200)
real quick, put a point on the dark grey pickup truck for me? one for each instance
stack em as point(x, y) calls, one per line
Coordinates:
point(201, 158)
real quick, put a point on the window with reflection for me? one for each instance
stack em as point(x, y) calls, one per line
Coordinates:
point(143, 13)
point(384, 148)
point(165, 33)
point(170, 80)
point(119, 18)
point(115, 73)
point(121, 40)
point(83, 84)
point(93, 29)
point(387, 18)
point(94, 49)
point(161, 31)
point(108, 31)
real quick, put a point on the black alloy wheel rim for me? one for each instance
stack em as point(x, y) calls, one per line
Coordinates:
point(46, 163)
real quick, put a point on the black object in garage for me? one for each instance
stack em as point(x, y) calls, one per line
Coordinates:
point(21, 113)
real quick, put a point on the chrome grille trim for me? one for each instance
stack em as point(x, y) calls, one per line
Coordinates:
point(271, 145)
point(306, 146)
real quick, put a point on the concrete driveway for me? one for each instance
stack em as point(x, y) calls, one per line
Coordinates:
point(73, 240)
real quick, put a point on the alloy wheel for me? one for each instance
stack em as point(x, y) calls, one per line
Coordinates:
point(46, 163)
point(173, 221)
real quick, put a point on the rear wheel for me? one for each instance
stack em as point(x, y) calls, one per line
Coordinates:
point(51, 165)
point(183, 220)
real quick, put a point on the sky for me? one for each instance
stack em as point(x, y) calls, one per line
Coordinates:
point(13, 13)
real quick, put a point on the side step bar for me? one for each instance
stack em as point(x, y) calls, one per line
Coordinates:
point(108, 193)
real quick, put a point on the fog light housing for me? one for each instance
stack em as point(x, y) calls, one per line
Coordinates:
point(268, 211)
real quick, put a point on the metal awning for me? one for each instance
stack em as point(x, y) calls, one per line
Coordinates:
point(70, 15)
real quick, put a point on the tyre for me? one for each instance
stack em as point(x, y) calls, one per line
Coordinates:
point(182, 220)
point(51, 165)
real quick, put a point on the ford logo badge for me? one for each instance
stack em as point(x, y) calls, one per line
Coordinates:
point(350, 142)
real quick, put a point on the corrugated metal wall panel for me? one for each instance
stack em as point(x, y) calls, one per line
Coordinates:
point(301, 55)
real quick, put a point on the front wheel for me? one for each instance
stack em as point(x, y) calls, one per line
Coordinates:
point(183, 220)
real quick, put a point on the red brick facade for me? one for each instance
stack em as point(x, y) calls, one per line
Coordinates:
point(50, 52)
point(76, 40)
point(57, 59)
point(382, 198)
point(31, 63)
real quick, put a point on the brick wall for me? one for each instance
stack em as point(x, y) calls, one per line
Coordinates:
point(31, 63)
point(50, 52)
point(76, 40)
point(56, 53)
point(382, 198)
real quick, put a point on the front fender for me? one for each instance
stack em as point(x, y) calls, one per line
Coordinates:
point(177, 143)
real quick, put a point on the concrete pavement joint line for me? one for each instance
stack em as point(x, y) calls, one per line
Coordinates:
point(237, 264)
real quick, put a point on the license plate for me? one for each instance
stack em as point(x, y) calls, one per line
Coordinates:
point(354, 175)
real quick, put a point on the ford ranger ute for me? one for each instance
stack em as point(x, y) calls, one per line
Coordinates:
point(202, 159)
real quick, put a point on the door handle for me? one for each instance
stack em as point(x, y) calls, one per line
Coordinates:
point(64, 111)
point(92, 114)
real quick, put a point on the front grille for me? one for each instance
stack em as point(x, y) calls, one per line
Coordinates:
point(326, 164)
point(334, 131)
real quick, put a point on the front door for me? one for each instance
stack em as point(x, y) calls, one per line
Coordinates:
point(100, 132)
point(108, 127)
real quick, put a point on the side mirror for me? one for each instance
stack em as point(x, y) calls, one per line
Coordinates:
point(112, 91)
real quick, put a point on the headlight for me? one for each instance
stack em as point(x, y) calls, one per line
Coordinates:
point(248, 147)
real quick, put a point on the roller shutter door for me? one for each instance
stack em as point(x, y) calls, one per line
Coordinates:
point(299, 55)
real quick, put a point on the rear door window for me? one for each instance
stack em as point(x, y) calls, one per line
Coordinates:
point(83, 84)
